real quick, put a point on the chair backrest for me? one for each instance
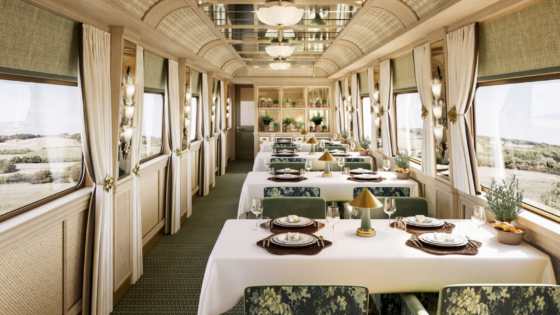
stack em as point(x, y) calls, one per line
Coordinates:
point(282, 165)
point(309, 207)
point(351, 160)
point(384, 191)
point(272, 160)
point(292, 192)
point(306, 299)
point(324, 138)
point(352, 166)
point(406, 207)
point(330, 147)
point(286, 138)
point(290, 147)
point(499, 299)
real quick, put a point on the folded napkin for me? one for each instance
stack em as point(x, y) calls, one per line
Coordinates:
point(443, 237)
point(293, 218)
point(422, 219)
point(293, 237)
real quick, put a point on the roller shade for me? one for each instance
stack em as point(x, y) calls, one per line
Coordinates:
point(363, 83)
point(155, 72)
point(196, 80)
point(37, 43)
point(522, 43)
point(403, 73)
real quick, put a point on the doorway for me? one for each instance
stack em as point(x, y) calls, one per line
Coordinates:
point(244, 122)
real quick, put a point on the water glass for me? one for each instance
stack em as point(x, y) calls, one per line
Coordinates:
point(353, 146)
point(346, 171)
point(390, 207)
point(335, 136)
point(266, 221)
point(341, 162)
point(478, 217)
point(308, 165)
point(386, 164)
point(267, 162)
point(333, 217)
point(400, 223)
point(302, 172)
point(271, 171)
point(256, 209)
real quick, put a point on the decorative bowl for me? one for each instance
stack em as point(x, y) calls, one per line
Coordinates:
point(403, 175)
point(363, 153)
point(510, 238)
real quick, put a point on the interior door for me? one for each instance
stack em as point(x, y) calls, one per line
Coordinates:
point(244, 122)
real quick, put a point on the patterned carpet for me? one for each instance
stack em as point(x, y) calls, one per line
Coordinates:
point(174, 268)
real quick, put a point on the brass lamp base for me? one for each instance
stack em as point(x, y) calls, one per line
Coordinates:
point(327, 174)
point(365, 233)
point(311, 153)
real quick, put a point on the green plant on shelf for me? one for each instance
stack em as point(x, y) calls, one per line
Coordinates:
point(325, 127)
point(275, 102)
point(266, 118)
point(324, 102)
point(504, 198)
point(287, 121)
point(299, 124)
point(293, 102)
point(317, 119)
point(275, 126)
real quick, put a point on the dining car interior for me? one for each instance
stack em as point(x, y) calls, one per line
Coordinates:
point(280, 157)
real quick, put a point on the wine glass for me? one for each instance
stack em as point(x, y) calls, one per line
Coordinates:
point(353, 146)
point(335, 136)
point(308, 165)
point(478, 217)
point(256, 209)
point(267, 162)
point(333, 217)
point(341, 162)
point(386, 164)
point(390, 207)
point(322, 145)
point(271, 171)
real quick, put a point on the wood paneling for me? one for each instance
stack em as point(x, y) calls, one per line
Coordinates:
point(122, 234)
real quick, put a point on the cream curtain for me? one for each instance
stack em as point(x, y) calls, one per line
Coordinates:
point(355, 105)
point(339, 107)
point(423, 73)
point(462, 60)
point(98, 158)
point(223, 124)
point(175, 132)
point(386, 98)
point(137, 267)
point(346, 113)
point(371, 88)
point(206, 134)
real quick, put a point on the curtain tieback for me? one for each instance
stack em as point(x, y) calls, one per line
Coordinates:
point(381, 111)
point(136, 169)
point(208, 138)
point(109, 181)
point(453, 115)
point(425, 112)
point(178, 151)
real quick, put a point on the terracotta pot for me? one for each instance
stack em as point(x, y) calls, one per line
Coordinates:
point(269, 104)
point(318, 104)
point(510, 238)
point(343, 141)
point(318, 129)
point(325, 105)
point(403, 175)
point(263, 104)
point(363, 153)
point(288, 105)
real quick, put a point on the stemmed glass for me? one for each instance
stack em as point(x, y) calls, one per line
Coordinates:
point(353, 146)
point(267, 162)
point(333, 217)
point(390, 207)
point(257, 209)
point(341, 162)
point(308, 165)
point(322, 145)
point(478, 217)
point(386, 164)
point(335, 136)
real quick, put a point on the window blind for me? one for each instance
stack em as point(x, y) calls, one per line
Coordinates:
point(403, 73)
point(155, 72)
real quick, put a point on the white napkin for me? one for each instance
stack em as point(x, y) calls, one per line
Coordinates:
point(293, 219)
point(443, 237)
point(420, 218)
point(293, 237)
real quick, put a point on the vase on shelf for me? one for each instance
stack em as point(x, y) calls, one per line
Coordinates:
point(318, 129)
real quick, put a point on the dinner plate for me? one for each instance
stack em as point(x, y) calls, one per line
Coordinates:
point(284, 153)
point(305, 240)
point(433, 222)
point(342, 153)
point(367, 176)
point(287, 171)
point(458, 240)
point(286, 176)
point(283, 221)
point(361, 171)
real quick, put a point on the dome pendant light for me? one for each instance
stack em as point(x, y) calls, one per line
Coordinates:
point(280, 51)
point(280, 15)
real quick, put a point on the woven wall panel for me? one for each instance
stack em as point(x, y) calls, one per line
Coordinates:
point(76, 239)
point(155, 71)
point(373, 29)
point(327, 66)
point(149, 200)
point(521, 41)
point(37, 41)
point(241, 72)
point(341, 55)
point(219, 55)
point(292, 72)
point(425, 7)
point(137, 7)
point(31, 275)
point(232, 67)
point(403, 72)
point(187, 28)
point(320, 72)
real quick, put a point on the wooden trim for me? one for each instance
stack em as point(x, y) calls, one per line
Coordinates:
point(521, 79)
point(161, 9)
point(153, 237)
point(120, 292)
point(30, 77)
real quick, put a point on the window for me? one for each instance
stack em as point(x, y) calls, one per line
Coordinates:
point(194, 117)
point(517, 129)
point(409, 124)
point(367, 119)
point(152, 126)
point(40, 142)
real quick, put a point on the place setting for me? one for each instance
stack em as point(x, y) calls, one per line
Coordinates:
point(284, 153)
point(286, 175)
point(421, 224)
point(293, 223)
point(444, 244)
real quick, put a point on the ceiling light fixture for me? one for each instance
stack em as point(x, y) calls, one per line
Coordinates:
point(274, 33)
point(280, 16)
point(280, 51)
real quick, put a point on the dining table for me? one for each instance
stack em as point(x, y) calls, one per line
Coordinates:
point(335, 188)
point(315, 163)
point(305, 147)
point(383, 264)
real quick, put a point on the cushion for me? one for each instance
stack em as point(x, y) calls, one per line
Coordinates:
point(351, 165)
point(384, 191)
point(292, 192)
point(290, 147)
point(282, 165)
point(309, 207)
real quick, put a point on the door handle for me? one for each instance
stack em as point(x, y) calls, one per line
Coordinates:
point(239, 128)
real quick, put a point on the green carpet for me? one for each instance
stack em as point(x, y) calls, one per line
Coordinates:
point(174, 268)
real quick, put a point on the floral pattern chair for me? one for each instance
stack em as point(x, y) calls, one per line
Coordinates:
point(306, 300)
point(352, 160)
point(282, 160)
point(384, 191)
point(292, 192)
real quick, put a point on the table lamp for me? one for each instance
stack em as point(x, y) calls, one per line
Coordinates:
point(327, 158)
point(312, 141)
point(365, 201)
point(304, 133)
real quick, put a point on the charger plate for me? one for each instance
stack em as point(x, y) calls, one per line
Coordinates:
point(310, 250)
point(437, 250)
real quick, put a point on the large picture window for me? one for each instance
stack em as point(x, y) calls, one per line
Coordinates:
point(517, 128)
point(152, 126)
point(194, 118)
point(40, 142)
point(367, 117)
point(409, 124)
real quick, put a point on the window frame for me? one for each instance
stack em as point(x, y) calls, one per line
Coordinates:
point(81, 183)
point(151, 157)
point(395, 94)
point(515, 80)
point(372, 123)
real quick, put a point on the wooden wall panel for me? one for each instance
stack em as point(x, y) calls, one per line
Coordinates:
point(75, 240)
point(184, 178)
point(150, 202)
point(122, 234)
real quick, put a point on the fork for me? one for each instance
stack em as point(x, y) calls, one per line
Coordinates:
point(471, 242)
point(322, 241)
point(417, 240)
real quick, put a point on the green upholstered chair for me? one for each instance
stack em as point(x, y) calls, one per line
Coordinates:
point(306, 299)
point(330, 147)
point(351, 165)
point(290, 147)
point(309, 207)
point(406, 207)
point(292, 192)
point(324, 138)
point(284, 138)
point(384, 191)
point(282, 165)
point(272, 160)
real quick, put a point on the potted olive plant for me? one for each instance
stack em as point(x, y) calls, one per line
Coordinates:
point(287, 124)
point(294, 104)
point(275, 125)
point(299, 125)
point(263, 102)
point(318, 102)
point(403, 162)
point(364, 146)
point(325, 103)
point(275, 102)
point(269, 102)
point(267, 119)
point(287, 103)
point(504, 198)
point(317, 120)
point(344, 134)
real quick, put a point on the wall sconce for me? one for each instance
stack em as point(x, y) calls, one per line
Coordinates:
point(376, 92)
point(129, 88)
point(126, 137)
point(438, 132)
point(377, 121)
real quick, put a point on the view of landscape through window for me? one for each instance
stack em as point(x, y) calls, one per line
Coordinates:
point(194, 118)
point(152, 125)
point(40, 142)
point(517, 133)
point(409, 124)
point(367, 119)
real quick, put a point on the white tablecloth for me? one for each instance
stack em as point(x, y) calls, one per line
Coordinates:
point(265, 146)
point(336, 188)
point(383, 264)
point(316, 164)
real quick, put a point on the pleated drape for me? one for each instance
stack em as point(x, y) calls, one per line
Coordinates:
point(137, 267)
point(423, 73)
point(98, 158)
point(223, 136)
point(339, 107)
point(462, 63)
point(174, 119)
point(357, 108)
point(371, 88)
point(385, 98)
point(346, 114)
point(206, 158)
